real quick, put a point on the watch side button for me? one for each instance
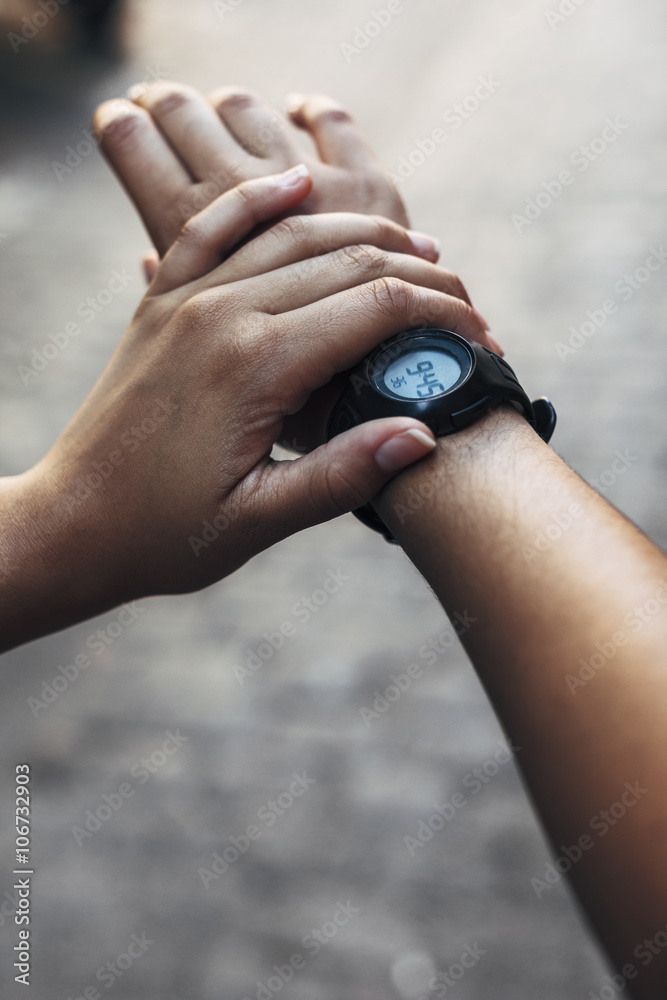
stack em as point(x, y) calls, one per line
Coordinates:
point(463, 418)
point(505, 370)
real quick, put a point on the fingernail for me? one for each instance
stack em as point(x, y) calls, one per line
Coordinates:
point(294, 103)
point(293, 176)
point(495, 346)
point(112, 110)
point(404, 449)
point(425, 245)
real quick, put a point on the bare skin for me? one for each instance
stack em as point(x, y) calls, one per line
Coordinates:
point(570, 602)
point(174, 150)
point(173, 445)
point(592, 737)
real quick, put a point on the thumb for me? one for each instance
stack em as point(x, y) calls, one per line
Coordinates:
point(345, 473)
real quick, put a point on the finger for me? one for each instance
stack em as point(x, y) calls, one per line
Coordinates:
point(335, 133)
point(206, 237)
point(339, 476)
point(309, 281)
point(300, 238)
point(256, 126)
point(336, 333)
point(145, 165)
point(192, 128)
point(150, 262)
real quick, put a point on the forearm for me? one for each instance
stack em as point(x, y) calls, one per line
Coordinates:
point(550, 570)
point(52, 570)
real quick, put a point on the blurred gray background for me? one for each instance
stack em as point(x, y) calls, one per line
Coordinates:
point(557, 81)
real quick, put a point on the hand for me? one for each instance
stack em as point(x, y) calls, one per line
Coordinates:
point(164, 480)
point(175, 150)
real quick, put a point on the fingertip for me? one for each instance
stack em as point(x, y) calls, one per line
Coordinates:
point(110, 112)
point(294, 103)
point(425, 246)
point(294, 177)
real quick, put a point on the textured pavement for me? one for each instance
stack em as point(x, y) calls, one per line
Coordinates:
point(330, 861)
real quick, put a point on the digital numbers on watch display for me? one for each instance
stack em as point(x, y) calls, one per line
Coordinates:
point(423, 371)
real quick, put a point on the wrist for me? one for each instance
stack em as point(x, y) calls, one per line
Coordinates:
point(465, 470)
point(52, 570)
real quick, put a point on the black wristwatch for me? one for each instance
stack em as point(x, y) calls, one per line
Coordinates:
point(438, 377)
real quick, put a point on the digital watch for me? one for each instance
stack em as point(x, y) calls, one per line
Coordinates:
point(437, 377)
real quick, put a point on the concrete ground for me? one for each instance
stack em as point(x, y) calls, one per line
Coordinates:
point(338, 849)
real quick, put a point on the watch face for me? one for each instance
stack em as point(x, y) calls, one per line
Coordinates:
point(426, 372)
point(423, 369)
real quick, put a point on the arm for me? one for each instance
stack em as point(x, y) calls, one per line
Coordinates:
point(570, 642)
point(164, 480)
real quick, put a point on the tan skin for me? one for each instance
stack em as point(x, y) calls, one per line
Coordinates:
point(539, 612)
point(499, 489)
point(174, 150)
point(584, 737)
point(179, 429)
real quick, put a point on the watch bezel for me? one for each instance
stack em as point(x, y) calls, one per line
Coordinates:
point(381, 359)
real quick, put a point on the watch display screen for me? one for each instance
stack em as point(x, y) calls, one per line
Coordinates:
point(422, 373)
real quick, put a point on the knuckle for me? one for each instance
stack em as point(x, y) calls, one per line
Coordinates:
point(393, 295)
point(297, 229)
point(206, 310)
point(191, 233)
point(370, 261)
